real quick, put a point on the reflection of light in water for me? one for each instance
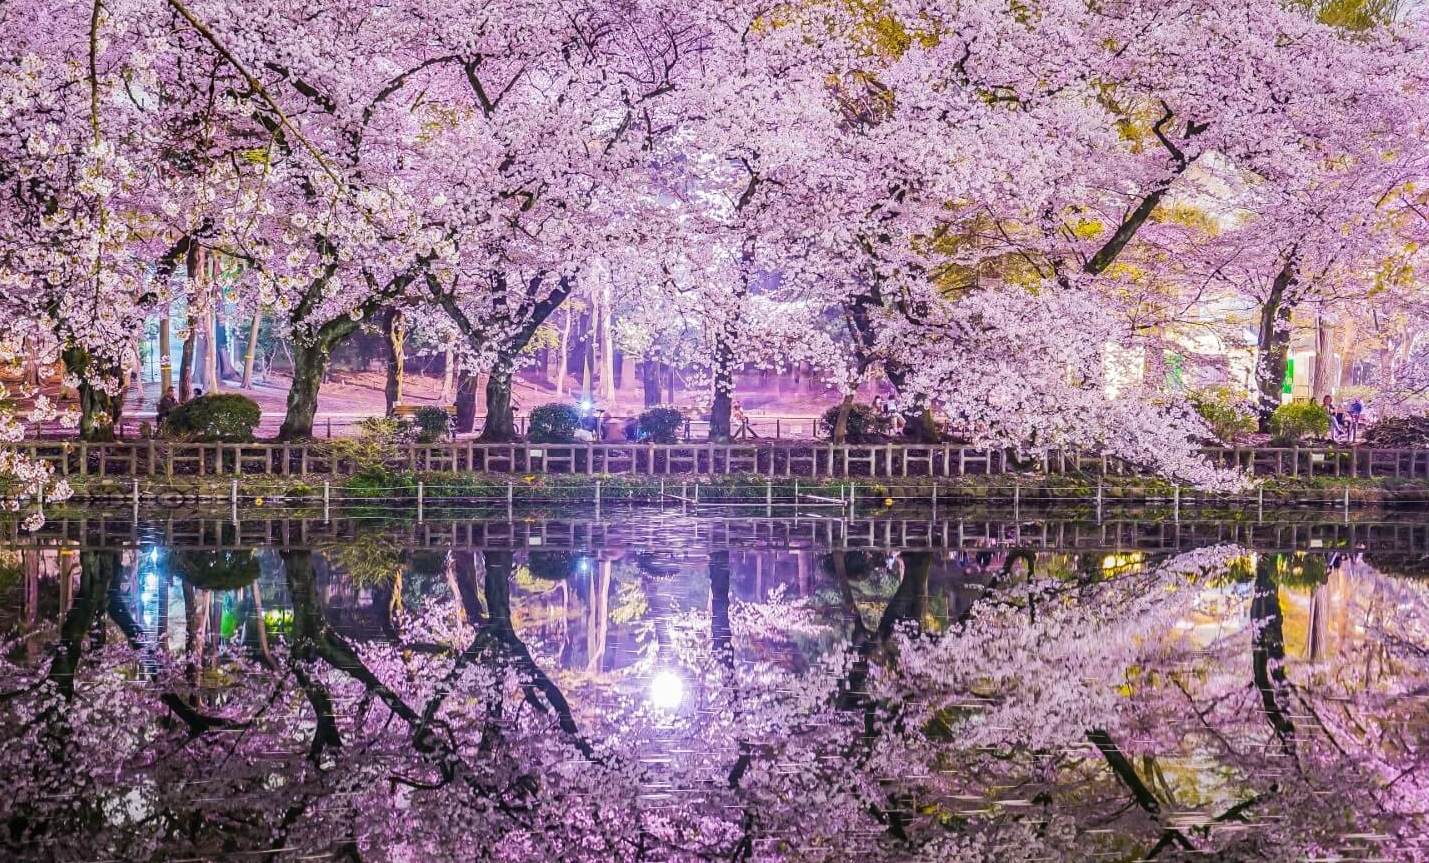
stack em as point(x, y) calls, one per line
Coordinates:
point(667, 690)
point(585, 564)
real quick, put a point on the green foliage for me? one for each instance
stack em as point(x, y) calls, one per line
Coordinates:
point(226, 417)
point(865, 423)
point(216, 570)
point(1225, 410)
point(374, 447)
point(554, 423)
point(1292, 422)
point(433, 424)
point(661, 425)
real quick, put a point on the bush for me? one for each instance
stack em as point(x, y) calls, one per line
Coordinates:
point(216, 570)
point(1225, 410)
point(1290, 423)
point(374, 447)
point(554, 423)
point(661, 425)
point(1396, 432)
point(225, 417)
point(865, 423)
point(433, 424)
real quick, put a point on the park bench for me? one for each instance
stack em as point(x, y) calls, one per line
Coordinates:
point(406, 412)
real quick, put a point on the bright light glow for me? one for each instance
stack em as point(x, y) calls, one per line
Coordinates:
point(667, 690)
point(587, 406)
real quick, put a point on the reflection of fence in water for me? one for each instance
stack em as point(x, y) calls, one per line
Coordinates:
point(826, 460)
point(659, 533)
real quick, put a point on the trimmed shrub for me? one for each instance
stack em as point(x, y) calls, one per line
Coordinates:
point(432, 424)
point(1297, 420)
point(1225, 410)
point(865, 423)
point(661, 425)
point(554, 423)
point(223, 417)
point(216, 570)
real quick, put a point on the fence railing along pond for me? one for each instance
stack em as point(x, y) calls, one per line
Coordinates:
point(810, 459)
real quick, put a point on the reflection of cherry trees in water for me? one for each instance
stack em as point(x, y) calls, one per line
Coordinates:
point(1256, 707)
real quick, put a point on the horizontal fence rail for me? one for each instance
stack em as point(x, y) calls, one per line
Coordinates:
point(584, 533)
point(158, 458)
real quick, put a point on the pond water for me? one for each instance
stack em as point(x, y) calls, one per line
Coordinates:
point(665, 686)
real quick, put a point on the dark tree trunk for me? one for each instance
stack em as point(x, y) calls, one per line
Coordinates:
point(465, 402)
point(186, 362)
point(650, 381)
point(220, 347)
point(840, 430)
point(1274, 343)
point(723, 405)
point(1268, 650)
point(98, 570)
point(395, 330)
point(500, 425)
point(721, 633)
point(98, 410)
point(310, 361)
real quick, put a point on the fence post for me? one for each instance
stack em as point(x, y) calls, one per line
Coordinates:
point(135, 498)
point(1099, 500)
point(1017, 503)
point(768, 499)
point(510, 496)
point(421, 496)
point(1260, 504)
point(329, 428)
point(597, 499)
point(327, 501)
point(1176, 507)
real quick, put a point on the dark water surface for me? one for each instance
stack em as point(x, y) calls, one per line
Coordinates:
point(660, 686)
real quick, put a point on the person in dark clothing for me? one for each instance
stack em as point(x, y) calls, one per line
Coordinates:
point(167, 403)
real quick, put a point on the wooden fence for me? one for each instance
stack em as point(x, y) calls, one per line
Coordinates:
point(1120, 533)
point(165, 458)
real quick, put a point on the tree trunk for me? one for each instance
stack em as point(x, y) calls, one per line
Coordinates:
point(310, 360)
point(448, 375)
point(1273, 344)
point(723, 405)
point(211, 380)
point(650, 380)
point(1324, 360)
point(564, 361)
point(98, 410)
point(465, 402)
point(500, 425)
point(840, 432)
point(607, 349)
point(396, 331)
point(252, 351)
point(186, 360)
point(166, 368)
point(222, 351)
point(1268, 651)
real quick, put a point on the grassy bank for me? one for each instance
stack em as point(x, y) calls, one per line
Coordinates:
point(1030, 490)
